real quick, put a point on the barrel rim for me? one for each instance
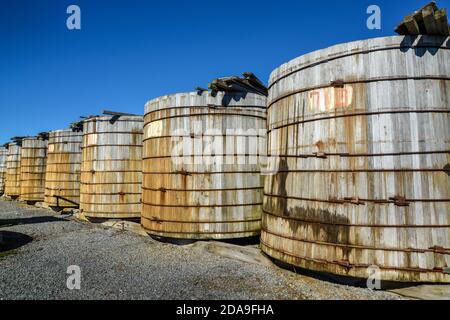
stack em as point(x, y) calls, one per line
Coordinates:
point(204, 95)
point(324, 54)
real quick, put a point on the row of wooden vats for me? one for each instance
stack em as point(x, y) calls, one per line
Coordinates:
point(354, 170)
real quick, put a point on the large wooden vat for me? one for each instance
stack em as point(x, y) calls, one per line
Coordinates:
point(3, 156)
point(190, 197)
point(359, 139)
point(111, 167)
point(32, 169)
point(62, 176)
point(12, 183)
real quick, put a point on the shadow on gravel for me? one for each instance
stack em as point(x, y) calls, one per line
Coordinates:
point(31, 220)
point(342, 280)
point(250, 241)
point(12, 240)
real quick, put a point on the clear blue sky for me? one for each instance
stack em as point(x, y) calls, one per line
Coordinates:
point(131, 51)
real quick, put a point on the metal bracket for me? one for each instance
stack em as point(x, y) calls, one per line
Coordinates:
point(354, 200)
point(65, 199)
point(400, 201)
point(321, 155)
point(183, 172)
point(344, 263)
point(438, 249)
point(337, 83)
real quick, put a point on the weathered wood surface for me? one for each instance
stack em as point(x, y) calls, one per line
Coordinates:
point(364, 164)
point(12, 179)
point(3, 157)
point(32, 169)
point(195, 197)
point(111, 167)
point(62, 176)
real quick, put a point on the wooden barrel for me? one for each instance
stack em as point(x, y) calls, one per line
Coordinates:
point(62, 176)
point(189, 195)
point(111, 167)
point(3, 156)
point(32, 169)
point(12, 183)
point(359, 142)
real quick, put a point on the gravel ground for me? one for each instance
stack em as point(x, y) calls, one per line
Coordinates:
point(122, 265)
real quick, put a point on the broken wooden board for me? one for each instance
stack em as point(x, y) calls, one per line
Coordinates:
point(429, 20)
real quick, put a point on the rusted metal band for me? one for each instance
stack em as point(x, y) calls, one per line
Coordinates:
point(111, 145)
point(51, 163)
point(107, 183)
point(346, 55)
point(63, 153)
point(358, 114)
point(157, 220)
point(111, 160)
point(348, 200)
point(198, 136)
point(31, 193)
point(113, 193)
point(207, 107)
point(209, 114)
point(343, 154)
point(356, 266)
point(203, 156)
point(162, 189)
point(108, 203)
point(65, 181)
point(202, 232)
point(444, 251)
point(204, 173)
point(330, 85)
point(203, 206)
point(50, 196)
point(110, 213)
point(111, 171)
point(63, 172)
point(114, 132)
point(340, 224)
point(359, 170)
